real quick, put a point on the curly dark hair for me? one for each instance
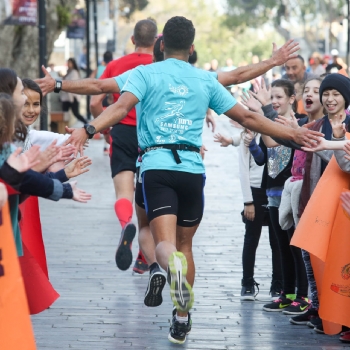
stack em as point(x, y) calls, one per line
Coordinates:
point(193, 58)
point(178, 34)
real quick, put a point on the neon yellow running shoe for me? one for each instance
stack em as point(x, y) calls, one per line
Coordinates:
point(180, 290)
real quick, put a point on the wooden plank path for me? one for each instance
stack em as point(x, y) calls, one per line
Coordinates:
point(101, 308)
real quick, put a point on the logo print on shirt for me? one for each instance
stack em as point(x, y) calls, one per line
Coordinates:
point(182, 90)
point(174, 110)
point(159, 139)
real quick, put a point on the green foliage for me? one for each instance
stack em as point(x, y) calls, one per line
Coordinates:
point(64, 16)
point(132, 6)
point(213, 38)
point(254, 13)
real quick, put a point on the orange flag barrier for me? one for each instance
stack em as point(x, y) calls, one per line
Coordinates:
point(315, 226)
point(324, 231)
point(15, 325)
point(39, 290)
point(31, 233)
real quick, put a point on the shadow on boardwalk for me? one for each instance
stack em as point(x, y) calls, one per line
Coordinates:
point(101, 308)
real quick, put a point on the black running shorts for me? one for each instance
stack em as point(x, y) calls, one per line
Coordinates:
point(124, 148)
point(174, 192)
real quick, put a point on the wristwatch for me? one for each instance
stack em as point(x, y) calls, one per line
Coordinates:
point(90, 130)
point(58, 86)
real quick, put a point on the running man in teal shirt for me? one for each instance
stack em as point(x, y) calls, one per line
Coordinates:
point(173, 99)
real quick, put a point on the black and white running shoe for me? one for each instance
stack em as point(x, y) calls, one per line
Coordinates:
point(156, 283)
point(178, 331)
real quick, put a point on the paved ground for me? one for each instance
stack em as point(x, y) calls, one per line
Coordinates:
point(102, 308)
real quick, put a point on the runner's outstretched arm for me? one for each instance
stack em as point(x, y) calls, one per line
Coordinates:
point(256, 122)
point(87, 86)
point(109, 117)
point(252, 71)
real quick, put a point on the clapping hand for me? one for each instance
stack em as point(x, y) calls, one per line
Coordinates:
point(262, 92)
point(291, 122)
point(338, 126)
point(224, 140)
point(25, 161)
point(248, 137)
point(77, 167)
point(79, 195)
point(251, 102)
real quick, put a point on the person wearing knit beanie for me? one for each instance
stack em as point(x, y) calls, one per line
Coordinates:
point(336, 82)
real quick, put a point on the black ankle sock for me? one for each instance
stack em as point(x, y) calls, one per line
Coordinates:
point(153, 266)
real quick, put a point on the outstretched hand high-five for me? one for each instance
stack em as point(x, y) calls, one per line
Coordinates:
point(77, 139)
point(46, 84)
point(285, 53)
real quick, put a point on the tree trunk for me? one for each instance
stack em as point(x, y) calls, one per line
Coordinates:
point(20, 44)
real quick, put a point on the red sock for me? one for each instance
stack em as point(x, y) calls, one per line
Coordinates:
point(123, 209)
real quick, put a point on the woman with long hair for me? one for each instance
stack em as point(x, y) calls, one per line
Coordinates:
point(71, 101)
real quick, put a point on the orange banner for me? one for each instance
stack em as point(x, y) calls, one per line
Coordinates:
point(324, 231)
point(315, 226)
point(335, 297)
point(15, 325)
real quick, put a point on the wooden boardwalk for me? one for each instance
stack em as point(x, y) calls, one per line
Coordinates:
point(101, 308)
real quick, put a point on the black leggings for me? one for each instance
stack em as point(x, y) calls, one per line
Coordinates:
point(252, 237)
point(74, 106)
point(293, 267)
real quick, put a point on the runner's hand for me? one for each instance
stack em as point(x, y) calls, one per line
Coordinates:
point(285, 53)
point(77, 139)
point(224, 140)
point(77, 167)
point(79, 195)
point(306, 137)
point(209, 119)
point(249, 212)
point(202, 151)
point(3, 195)
point(25, 161)
point(46, 84)
point(338, 126)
